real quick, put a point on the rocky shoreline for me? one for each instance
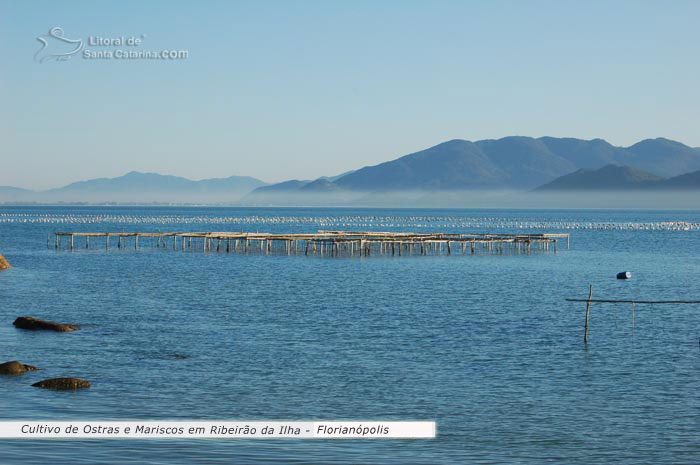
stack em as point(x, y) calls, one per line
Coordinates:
point(14, 367)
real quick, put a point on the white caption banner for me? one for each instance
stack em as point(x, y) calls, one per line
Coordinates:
point(218, 429)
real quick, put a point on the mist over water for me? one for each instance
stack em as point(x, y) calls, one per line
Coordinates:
point(642, 199)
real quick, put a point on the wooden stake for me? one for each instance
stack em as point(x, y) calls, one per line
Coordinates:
point(588, 310)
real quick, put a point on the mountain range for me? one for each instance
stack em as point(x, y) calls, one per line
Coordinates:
point(513, 163)
point(135, 187)
point(616, 178)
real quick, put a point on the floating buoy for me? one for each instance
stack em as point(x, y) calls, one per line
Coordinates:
point(624, 275)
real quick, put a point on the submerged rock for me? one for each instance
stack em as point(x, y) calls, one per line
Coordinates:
point(63, 384)
point(28, 322)
point(4, 264)
point(15, 368)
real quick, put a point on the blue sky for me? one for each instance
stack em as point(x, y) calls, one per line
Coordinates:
point(282, 90)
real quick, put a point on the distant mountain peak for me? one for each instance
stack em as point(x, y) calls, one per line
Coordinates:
point(659, 142)
point(321, 185)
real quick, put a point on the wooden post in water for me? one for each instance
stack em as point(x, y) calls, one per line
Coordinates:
point(588, 310)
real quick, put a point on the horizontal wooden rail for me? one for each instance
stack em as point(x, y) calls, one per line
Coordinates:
point(636, 301)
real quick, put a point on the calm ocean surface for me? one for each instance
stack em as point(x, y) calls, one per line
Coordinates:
point(485, 345)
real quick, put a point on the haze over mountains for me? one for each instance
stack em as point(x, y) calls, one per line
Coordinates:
point(509, 164)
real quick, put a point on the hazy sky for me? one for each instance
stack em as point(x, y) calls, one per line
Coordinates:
point(281, 90)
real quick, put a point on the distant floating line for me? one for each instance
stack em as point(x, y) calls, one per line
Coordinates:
point(323, 243)
point(355, 222)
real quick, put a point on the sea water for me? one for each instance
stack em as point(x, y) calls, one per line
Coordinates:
point(484, 344)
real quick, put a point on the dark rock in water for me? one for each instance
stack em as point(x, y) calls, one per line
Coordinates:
point(15, 368)
point(28, 322)
point(624, 275)
point(4, 264)
point(63, 384)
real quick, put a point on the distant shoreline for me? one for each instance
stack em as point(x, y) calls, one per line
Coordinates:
point(349, 207)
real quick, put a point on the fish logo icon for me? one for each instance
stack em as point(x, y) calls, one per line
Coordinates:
point(54, 46)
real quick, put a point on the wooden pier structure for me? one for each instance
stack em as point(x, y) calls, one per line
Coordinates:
point(324, 243)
